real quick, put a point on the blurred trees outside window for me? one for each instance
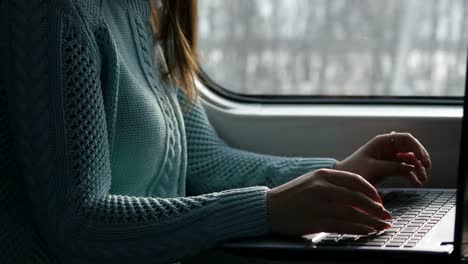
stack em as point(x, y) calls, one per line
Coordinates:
point(335, 47)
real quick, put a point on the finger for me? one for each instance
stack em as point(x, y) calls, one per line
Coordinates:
point(355, 183)
point(343, 196)
point(388, 169)
point(414, 179)
point(405, 142)
point(410, 158)
point(397, 168)
point(351, 215)
point(331, 225)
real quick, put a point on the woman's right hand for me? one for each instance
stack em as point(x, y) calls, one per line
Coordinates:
point(329, 201)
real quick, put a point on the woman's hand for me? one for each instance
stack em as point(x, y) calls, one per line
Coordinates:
point(394, 154)
point(326, 201)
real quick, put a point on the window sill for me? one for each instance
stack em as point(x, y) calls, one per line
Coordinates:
point(330, 110)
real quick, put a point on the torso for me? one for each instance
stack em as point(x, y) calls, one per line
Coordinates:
point(148, 157)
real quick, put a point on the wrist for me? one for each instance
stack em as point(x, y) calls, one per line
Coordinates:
point(270, 210)
point(337, 165)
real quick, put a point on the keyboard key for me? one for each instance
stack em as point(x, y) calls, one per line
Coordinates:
point(401, 222)
point(400, 237)
point(394, 244)
point(405, 217)
point(379, 240)
point(414, 225)
point(349, 237)
point(422, 218)
point(373, 244)
point(398, 240)
point(424, 215)
point(409, 245)
point(386, 237)
point(409, 230)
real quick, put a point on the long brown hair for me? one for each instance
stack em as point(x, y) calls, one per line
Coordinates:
point(175, 25)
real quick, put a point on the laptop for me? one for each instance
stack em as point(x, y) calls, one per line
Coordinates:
point(427, 223)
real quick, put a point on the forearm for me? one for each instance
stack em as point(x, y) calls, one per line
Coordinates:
point(159, 230)
point(231, 168)
point(214, 166)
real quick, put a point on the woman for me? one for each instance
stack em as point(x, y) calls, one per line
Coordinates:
point(112, 158)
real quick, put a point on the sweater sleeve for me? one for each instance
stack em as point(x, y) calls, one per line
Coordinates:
point(214, 166)
point(59, 119)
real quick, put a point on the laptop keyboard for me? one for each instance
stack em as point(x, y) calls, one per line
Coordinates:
point(414, 214)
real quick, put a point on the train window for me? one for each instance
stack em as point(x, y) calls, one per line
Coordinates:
point(335, 48)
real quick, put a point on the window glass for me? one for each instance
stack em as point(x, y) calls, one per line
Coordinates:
point(335, 47)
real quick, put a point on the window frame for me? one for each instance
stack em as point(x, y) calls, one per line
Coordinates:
point(220, 90)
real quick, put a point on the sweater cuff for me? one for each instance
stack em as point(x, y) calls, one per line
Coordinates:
point(311, 164)
point(298, 167)
point(241, 213)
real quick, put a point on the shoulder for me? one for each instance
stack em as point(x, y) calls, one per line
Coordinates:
point(82, 21)
point(56, 17)
point(41, 26)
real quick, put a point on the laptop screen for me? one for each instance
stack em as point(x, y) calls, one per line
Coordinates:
point(461, 229)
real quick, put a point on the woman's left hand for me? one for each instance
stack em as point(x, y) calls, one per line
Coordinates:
point(388, 155)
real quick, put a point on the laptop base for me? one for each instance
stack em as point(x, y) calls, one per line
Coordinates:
point(436, 245)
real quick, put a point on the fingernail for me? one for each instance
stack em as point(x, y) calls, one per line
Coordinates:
point(418, 182)
point(388, 215)
point(383, 226)
point(385, 217)
point(422, 180)
point(380, 199)
point(386, 226)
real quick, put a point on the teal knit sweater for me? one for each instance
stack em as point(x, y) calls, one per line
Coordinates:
point(98, 161)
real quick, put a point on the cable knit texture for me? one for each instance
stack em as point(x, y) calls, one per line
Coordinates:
point(98, 162)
